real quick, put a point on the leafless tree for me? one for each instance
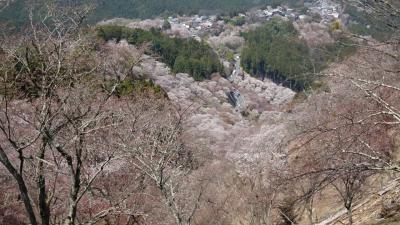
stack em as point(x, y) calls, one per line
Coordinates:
point(153, 144)
point(349, 186)
point(350, 136)
point(379, 90)
point(51, 117)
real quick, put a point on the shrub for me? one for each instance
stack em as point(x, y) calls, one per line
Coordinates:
point(335, 25)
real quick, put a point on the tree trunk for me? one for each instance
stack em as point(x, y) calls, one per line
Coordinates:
point(73, 197)
point(21, 186)
point(310, 210)
point(350, 214)
point(43, 205)
point(75, 180)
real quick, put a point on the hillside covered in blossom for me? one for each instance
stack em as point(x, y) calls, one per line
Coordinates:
point(181, 112)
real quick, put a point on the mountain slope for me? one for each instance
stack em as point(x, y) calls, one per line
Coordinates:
point(16, 14)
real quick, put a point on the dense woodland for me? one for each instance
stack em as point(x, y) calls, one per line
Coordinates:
point(182, 55)
point(274, 51)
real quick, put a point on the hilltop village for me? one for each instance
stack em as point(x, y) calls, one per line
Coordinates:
point(200, 26)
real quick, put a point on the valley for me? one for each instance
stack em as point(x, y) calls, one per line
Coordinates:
point(197, 113)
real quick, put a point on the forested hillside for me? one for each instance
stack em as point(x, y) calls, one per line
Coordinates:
point(274, 51)
point(16, 14)
point(150, 8)
point(182, 55)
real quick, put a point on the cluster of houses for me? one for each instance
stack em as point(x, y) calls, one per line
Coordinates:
point(270, 12)
point(197, 25)
point(329, 10)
